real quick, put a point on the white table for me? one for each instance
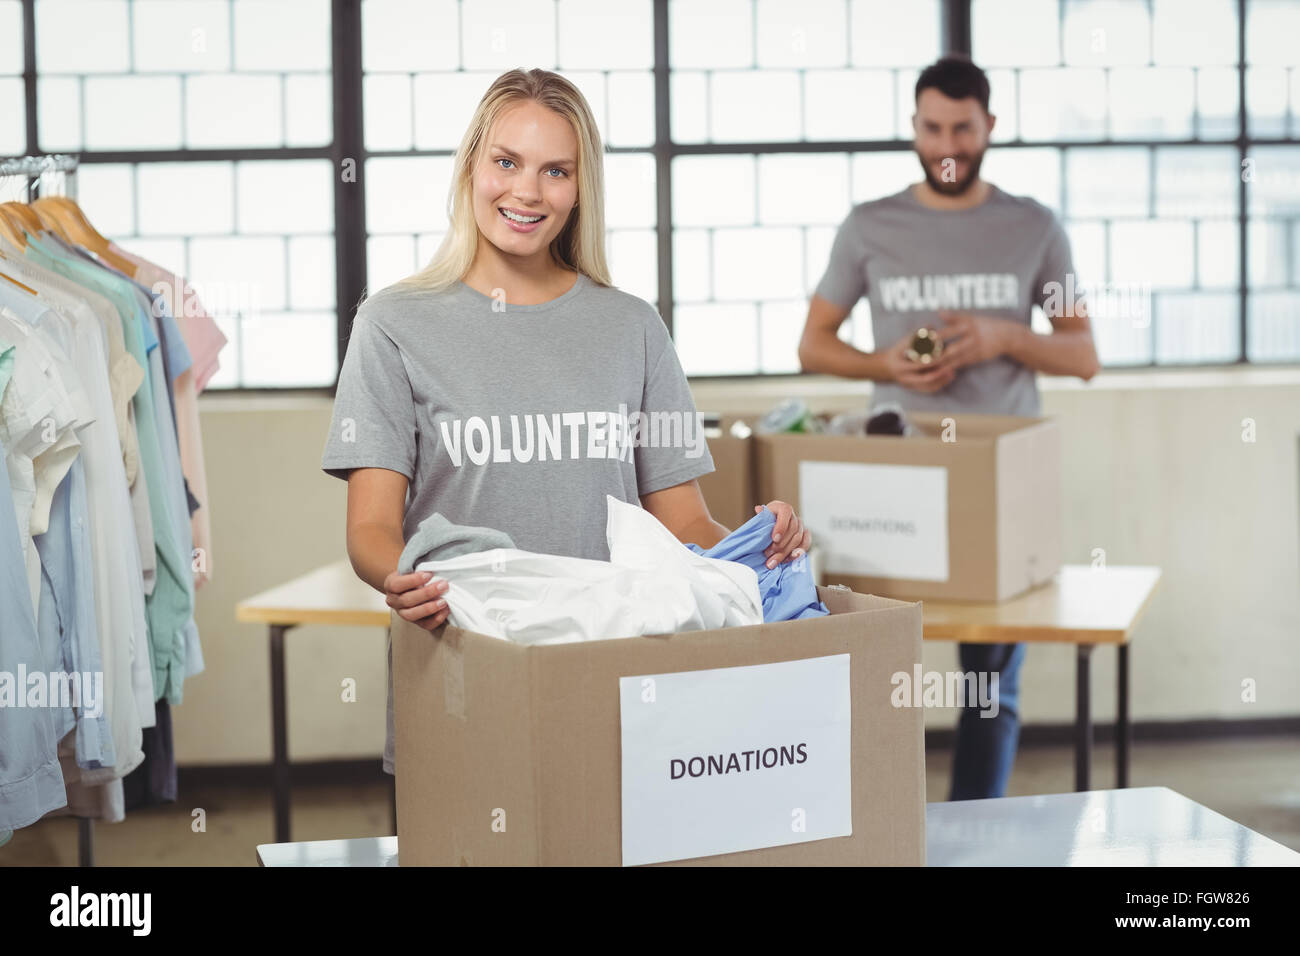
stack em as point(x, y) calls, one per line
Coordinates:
point(368, 851)
point(1142, 826)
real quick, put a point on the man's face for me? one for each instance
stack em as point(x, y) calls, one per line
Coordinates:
point(951, 137)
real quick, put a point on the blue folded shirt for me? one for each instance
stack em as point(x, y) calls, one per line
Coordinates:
point(788, 590)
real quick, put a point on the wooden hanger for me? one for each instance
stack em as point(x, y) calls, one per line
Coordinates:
point(53, 216)
point(11, 230)
point(72, 223)
point(4, 225)
point(9, 278)
point(23, 218)
point(50, 224)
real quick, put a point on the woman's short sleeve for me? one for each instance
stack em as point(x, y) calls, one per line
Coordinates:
point(373, 424)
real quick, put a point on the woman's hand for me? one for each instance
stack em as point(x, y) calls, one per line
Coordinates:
point(789, 537)
point(417, 597)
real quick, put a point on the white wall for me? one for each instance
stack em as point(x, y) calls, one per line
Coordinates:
point(1155, 472)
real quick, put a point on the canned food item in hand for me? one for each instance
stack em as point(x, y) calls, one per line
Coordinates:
point(925, 347)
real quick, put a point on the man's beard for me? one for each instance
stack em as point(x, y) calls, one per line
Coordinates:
point(952, 188)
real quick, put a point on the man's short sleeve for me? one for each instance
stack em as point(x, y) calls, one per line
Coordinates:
point(374, 412)
point(1056, 265)
point(670, 448)
point(844, 281)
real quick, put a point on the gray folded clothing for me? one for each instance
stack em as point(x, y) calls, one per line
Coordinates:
point(438, 538)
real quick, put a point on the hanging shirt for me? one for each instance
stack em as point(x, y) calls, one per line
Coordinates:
point(36, 426)
point(203, 338)
point(171, 354)
point(119, 597)
point(67, 621)
point(30, 782)
point(142, 518)
point(171, 603)
point(204, 341)
point(110, 585)
point(126, 375)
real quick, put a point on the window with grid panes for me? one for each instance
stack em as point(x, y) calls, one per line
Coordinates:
point(13, 104)
point(1273, 183)
point(1121, 115)
point(1136, 106)
point(752, 229)
point(199, 83)
point(427, 65)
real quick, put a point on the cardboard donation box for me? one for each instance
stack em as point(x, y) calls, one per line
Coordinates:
point(729, 490)
point(966, 509)
point(774, 744)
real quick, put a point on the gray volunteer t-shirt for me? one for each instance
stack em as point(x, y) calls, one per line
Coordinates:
point(910, 261)
point(516, 417)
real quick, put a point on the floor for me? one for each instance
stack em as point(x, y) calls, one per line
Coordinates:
point(1253, 781)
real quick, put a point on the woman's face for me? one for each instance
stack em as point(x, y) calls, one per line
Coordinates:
point(529, 169)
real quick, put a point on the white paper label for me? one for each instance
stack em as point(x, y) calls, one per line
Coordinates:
point(735, 758)
point(880, 521)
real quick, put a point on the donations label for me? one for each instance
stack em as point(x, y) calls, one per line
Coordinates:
point(879, 521)
point(735, 758)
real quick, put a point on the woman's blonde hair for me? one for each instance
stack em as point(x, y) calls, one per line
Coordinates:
point(581, 244)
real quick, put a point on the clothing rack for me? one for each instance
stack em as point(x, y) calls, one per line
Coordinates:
point(48, 175)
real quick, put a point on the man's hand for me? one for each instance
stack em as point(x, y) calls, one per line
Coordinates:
point(971, 339)
point(789, 537)
point(919, 378)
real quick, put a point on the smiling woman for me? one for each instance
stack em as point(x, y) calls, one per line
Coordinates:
point(515, 320)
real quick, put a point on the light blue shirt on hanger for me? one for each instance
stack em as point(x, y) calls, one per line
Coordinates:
point(31, 783)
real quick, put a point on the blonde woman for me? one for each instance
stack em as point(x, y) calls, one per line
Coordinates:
point(508, 384)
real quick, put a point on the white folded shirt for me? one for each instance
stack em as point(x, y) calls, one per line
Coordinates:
point(652, 584)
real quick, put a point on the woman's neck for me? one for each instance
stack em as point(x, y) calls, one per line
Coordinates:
point(523, 282)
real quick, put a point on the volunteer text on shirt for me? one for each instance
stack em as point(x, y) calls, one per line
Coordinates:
point(607, 435)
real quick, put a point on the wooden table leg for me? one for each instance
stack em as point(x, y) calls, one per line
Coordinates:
point(1122, 729)
point(85, 842)
point(1082, 717)
point(279, 735)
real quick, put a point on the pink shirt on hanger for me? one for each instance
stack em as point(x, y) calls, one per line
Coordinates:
point(202, 337)
point(204, 341)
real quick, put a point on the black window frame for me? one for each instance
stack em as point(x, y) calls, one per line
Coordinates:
point(348, 144)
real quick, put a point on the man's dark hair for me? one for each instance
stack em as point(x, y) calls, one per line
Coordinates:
point(956, 77)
